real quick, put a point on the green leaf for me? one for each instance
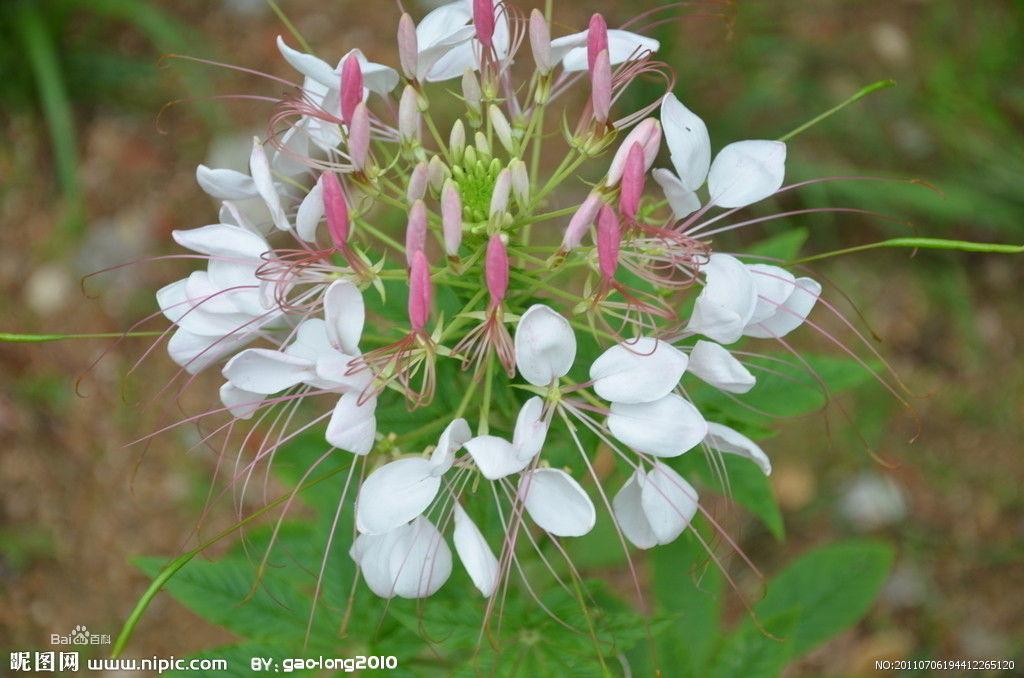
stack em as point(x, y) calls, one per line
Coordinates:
point(830, 588)
point(755, 653)
point(784, 246)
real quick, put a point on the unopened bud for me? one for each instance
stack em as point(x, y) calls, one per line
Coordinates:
point(608, 237)
point(648, 134)
point(351, 87)
point(471, 90)
point(483, 22)
point(408, 48)
point(419, 292)
point(601, 87)
point(520, 182)
point(437, 172)
point(634, 176)
point(359, 136)
point(540, 42)
point(597, 39)
point(451, 218)
point(500, 194)
point(483, 147)
point(581, 221)
point(417, 187)
point(496, 269)
point(416, 231)
point(501, 127)
point(457, 140)
point(409, 115)
point(335, 209)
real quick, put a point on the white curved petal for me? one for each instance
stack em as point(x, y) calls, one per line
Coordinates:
point(622, 46)
point(688, 142)
point(222, 240)
point(475, 554)
point(454, 437)
point(724, 439)
point(791, 314)
point(333, 370)
point(420, 560)
point(745, 172)
point(262, 370)
point(681, 200)
point(629, 513)
point(774, 286)
point(665, 428)
point(495, 457)
point(563, 45)
point(259, 168)
point(311, 211)
point(531, 430)
point(289, 158)
point(372, 553)
point(309, 65)
point(724, 307)
point(669, 503)
point(376, 77)
point(439, 24)
point(210, 296)
point(242, 404)
point(225, 184)
point(353, 427)
point(545, 345)
point(638, 371)
point(195, 352)
point(394, 494)
point(310, 341)
point(557, 503)
point(442, 60)
point(714, 365)
point(345, 315)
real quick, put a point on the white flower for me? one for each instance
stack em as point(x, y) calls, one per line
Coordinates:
point(622, 46)
point(399, 491)
point(377, 78)
point(667, 427)
point(557, 503)
point(721, 438)
point(727, 302)
point(446, 44)
point(654, 507)
point(783, 301)
point(497, 457)
point(221, 309)
point(410, 561)
point(744, 172)
point(545, 345)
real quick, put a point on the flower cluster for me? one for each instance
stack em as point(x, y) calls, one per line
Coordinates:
point(295, 305)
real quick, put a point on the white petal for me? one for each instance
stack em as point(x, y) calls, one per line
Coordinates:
point(688, 142)
point(289, 159)
point(376, 77)
point(638, 371)
point(222, 240)
point(310, 341)
point(622, 46)
point(259, 167)
point(333, 371)
point(683, 201)
point(345, 314)
point(372, 553)
point(394, 494)
point(475, 554)
point(665, 428)
point(495, 457)
point(442, 60)
point(774, 286)
point(792, 313)
point(311, 211)
point(454, 437)
point(714, 365)
point(225, 184)
point(745, 172)
point(629, 513)
point(262, 370)
point(439, 24)
point(561, 46)
point(309, 65)
point(531, 430)
point(196, 352)
point(724, 439)
point(420, 561)
point(727, 301)
point(669, 502)
point(545, 345)
point(242, 404)
point(557, 503)
point(353, 427)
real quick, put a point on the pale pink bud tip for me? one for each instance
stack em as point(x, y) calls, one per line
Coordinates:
point(335, 208)
point(419, 291)
point(416, 231)
point(351, 88)
point(601, 87)
point(496, 269)
point(648, 134)
point(634, 176)
point(451, 218)
point(597, 39)
point(408, 47)
point(483, 21)
point(359, 136)
point(540, 41)
point(608, 236)
point(581, 221)
point(501, 191)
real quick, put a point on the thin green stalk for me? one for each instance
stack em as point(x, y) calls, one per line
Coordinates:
point(41, 338)
point(919, 243)
point(863, 92)
point(290, 26)
point(483, 427)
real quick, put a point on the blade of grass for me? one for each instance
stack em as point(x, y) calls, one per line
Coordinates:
point(919, 243)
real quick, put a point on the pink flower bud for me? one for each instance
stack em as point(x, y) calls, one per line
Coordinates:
point(437, 172)
point(540, 41)
point(483, 21)
point(335, 209)
point(634, 176)
point(457, 140)
point(597, 39)
point(359, 136)
point(408, 114)
point(520, 181)
point(417, 187)
point(451, 218)
point(581, 221)
point(502, 129)
point(408, 48)
point(648, 135)
point(601, 87)
point(351, 87)
point(419, 291)
point(608, 236)
point(500, 193)
point(496, 269)
point(416, 231)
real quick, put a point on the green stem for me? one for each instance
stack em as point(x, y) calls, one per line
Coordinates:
point(41, 338)
point(920, 243)
point(290, 26)
point(863, 92)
